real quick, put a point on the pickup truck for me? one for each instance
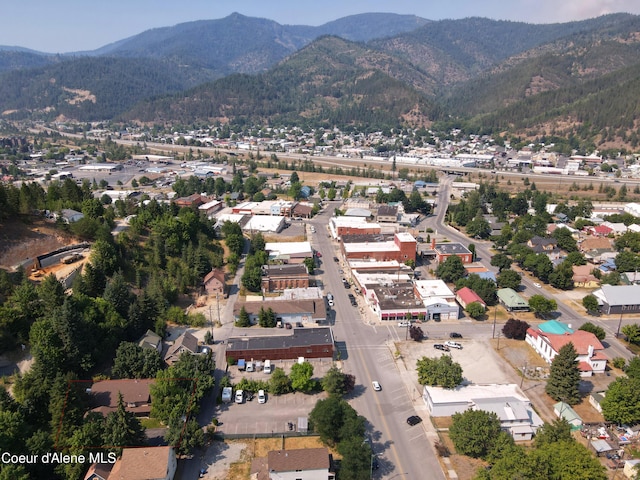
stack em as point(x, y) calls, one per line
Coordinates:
point(451, 344)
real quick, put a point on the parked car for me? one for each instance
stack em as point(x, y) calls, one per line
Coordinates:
point(537, 285)
point(376, 386)
point(261, 397)
point(329, 296)
point(299, 324)
point(404, 323)
point(455, 335)
point(239, 396)
point(440, 346)
point(335, 259)
point(318, 254)
point(451, 344)
point(288, 326)
point(414, 420)
point(330, 302)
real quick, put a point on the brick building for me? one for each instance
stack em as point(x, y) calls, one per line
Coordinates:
point(446, 250)
point(305, 342)
point(276, 278)
point(401, 248)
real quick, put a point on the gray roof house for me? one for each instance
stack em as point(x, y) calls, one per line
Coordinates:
point(614, 299)
point(184, 343)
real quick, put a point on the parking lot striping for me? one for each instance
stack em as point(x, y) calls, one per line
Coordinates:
point(418, 436)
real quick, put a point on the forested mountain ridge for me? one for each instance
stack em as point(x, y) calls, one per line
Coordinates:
point(331, 80)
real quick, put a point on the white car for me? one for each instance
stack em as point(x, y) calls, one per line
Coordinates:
point(451, 344)
point(404, 323)
point(537, 285)
point(261, 397)
point(330, 302)
point(239, 396)
point(376, 386)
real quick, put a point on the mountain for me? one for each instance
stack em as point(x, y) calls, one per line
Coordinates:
point(331, 80)
point(453, 51)
point(85, 89)
point(16, 59)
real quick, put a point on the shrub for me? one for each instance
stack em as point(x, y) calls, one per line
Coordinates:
point(516, 329)
point(619, 362)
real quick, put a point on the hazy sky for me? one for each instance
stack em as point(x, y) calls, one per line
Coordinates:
point(59, 26)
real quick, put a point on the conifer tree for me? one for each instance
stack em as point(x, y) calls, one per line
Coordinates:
point(564, 377)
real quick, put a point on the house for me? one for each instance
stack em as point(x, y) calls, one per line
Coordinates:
point(298, 464)
point(211, 207)
point(194, 200)
point(214, 283)
point(68, 215)
point(135, 395)
point(599, 230)
point(145, 463)
point(304, 342)
point(630, 278)
point(549, 337)
point(465, 296)
point(151, 340)
point(542, 244)
point(564, 410)
point(595, 399)
point(512, 301)
point(507, 401)
point(99, 471)
point(276, 278)
point(582, 276)
point(184, 343)
point(618, 299)
point(595, 243)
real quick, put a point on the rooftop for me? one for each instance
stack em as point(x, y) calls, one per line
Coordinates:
point(142, 463)
point(554, 327)
point(300, 459)
point(511, 298)
point(464, 393)
point(432, 288)
point(285, 270)
point(618, 295)
point(452, 248)
point(301, 337)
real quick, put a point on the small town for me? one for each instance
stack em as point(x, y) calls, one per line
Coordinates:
point(337, 241)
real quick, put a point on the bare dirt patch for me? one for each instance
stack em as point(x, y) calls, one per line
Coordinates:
point(21, 240)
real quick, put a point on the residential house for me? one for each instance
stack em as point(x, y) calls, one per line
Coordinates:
point(194, 200)
point(105, 395)
point(618, 228)
point(599, 230)
point(542, 244)
point(151, 340)
point(630, 278)
point(564, 410)
point(298, 464)
point(68, 215)
point(582, 276)
point(145, 463)
point(465, 296)
point(512, 301)
point(549, 337)
point(214, 283)
point(302, 210)
point(184, 343)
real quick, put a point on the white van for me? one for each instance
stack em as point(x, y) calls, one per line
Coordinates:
point(226, 394)
point(267, 366)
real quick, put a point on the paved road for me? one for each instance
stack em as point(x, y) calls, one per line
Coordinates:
point(403, 451)
point(483, 250)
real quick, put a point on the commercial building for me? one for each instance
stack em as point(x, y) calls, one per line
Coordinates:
point(276, 278)
point(402, 248)
point(340, 226)
point(507, 401)
point(304, 342)
point(288, 252)
point(306, 311)
point(618, 299)
point(446, 250)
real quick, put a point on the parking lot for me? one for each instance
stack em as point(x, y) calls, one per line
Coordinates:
point(273, 416)
point(479, 361)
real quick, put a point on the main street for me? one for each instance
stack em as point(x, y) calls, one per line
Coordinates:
point(403, 451)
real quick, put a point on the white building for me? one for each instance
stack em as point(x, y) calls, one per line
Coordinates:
point(439, 300)
point(507, 401)
point(264, 224)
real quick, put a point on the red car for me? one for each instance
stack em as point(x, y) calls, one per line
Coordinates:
point(318, 254)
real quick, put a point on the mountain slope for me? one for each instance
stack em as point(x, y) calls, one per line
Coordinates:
point(331, 80)
point(452, 51)
point(84, 89)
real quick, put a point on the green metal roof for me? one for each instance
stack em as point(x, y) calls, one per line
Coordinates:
point(509, 297)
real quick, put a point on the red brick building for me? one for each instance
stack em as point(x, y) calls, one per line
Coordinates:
point(279, 277)
point(305, 342)
point(401, 248)
point(446, 250)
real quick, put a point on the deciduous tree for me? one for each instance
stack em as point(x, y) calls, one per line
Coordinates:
point(474, 432)
point(443, 372)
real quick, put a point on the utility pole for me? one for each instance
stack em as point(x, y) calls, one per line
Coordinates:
point(495, 313)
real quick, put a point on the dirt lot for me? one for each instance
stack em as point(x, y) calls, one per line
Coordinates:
point(20, 241)
point(231, 459)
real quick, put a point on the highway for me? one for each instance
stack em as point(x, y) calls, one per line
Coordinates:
point(403, 451)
